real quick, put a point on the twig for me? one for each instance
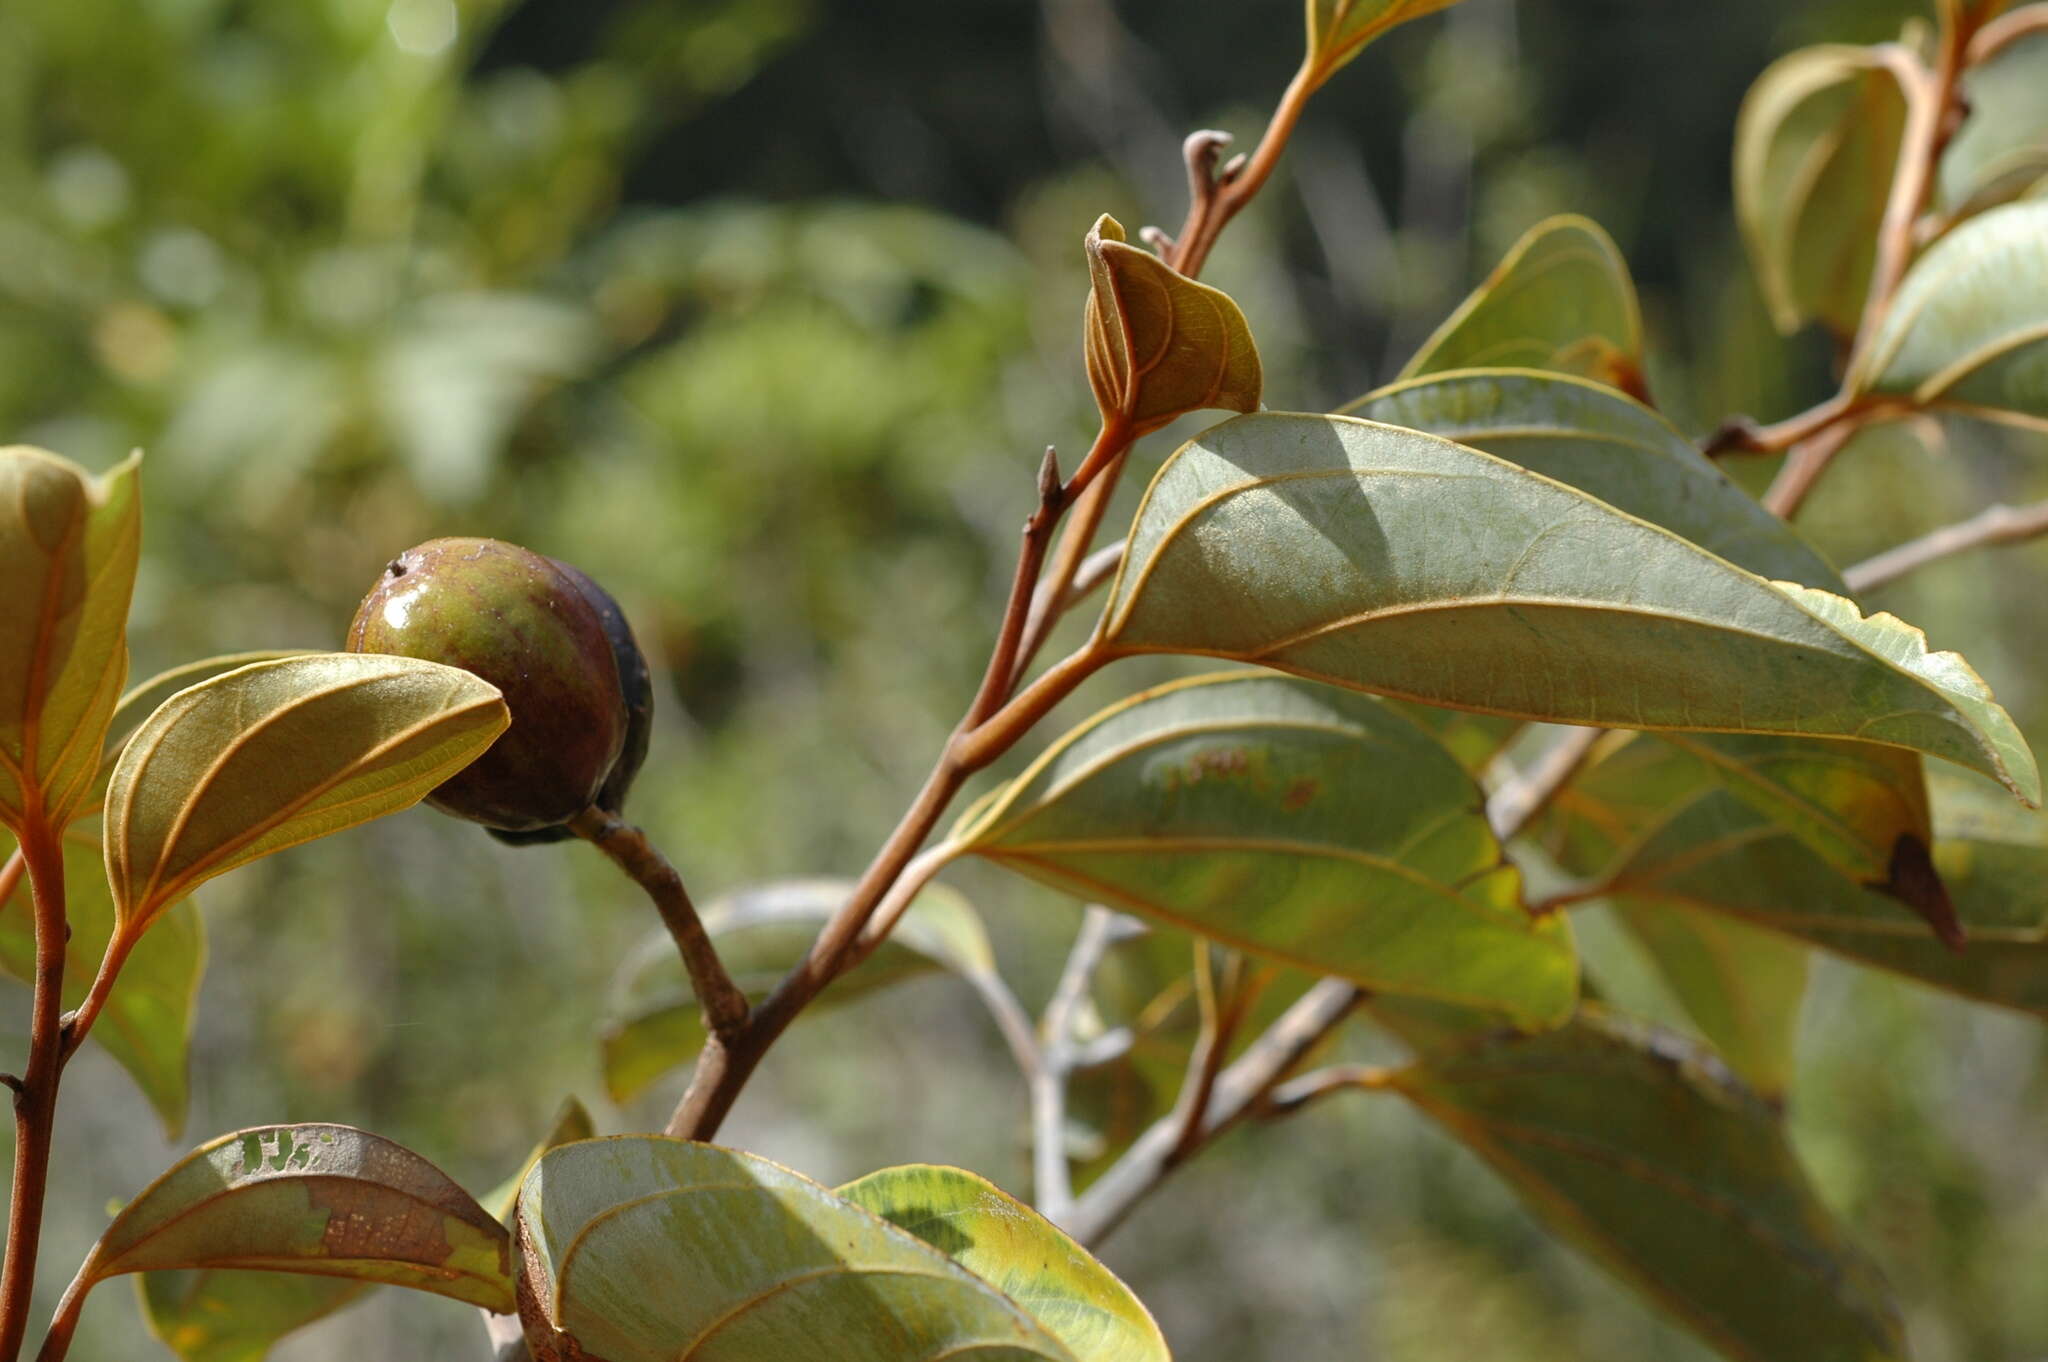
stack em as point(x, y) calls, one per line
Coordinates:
point(1803, 468)
point(1512, 806)
point(1993, 525)
point(1051, 1181)
point(2004, 31)
point(1740, 435)
point(1221, 1006)
point(724, 1004)
point(35, 1097)
point(1012, 1021)
point(901, 895)
point(1296, 1093)
point(1263, 1064)
point(1930, 96)
point(1214, 200)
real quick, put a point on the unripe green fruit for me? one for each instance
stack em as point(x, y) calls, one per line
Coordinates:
point(524, 623)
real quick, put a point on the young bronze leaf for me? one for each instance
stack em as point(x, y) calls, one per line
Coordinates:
point(1158, 344)
point(1969, 327)
point(68, 545)
point(1639, 1148)
point(1392, 561)
point(1815, 146)
point(147, 1023)
point(761, 933)
point(645, 1249)
point(320, 1199)
point(228, 1315)
point(1338, 30)
point(1296, 822)
point(1560, 300)
point(1020, 1253)
point(277, 753)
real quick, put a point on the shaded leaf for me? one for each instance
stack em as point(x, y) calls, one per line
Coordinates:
point(322, 1199)
point(1968, 328)
point(572, 1123)
point(228, 1315)
point(1023, 1255)
point(2002, 147)
point(1561, 299)
point(1816, 144)
point(68, 545)
point(278, 753)
point(1294, 821)
point(1158, 344)
point(761, 934)
point(147, 1023)
point(1393, 561)
point(645, 1249)
point(1640, 1149)
point(1338, 30)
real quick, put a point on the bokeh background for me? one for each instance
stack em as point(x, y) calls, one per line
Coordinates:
point(760, 311)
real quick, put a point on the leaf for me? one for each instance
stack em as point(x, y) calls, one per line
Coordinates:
point(147, 1022)
point(1338, 30)
point(1014, 1249)
point(1561, 299)
point(572, 1122)
point(1816, 144)
point(1968, 328)
point(225, 1315)
point(1852, 802)
point(68, 546)
point(1160, 345)
point(646, 1249)
point(1641, 1150)
point(2002, 147)
point(1392, 561)
point(761, 934)
point(322, 1199)
point(1742, 987)
point(1293, 821)
point(278, 753)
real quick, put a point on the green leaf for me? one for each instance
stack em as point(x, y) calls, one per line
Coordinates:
point(1158, 344)
point(1560, 300)
point(147, 1023)
point(226, 1315)
point(1338, 30)
point(645, 1249)
point(1014, 1249)
point(1644, 1152)
point(143, 700)
point(1816, 144)
point(1969, 326)
point(278, 753)
point(321, 1199)
point(572, 1123)
point(762, 933)
point(2002, 148)
point(1742, 987)
point(68, 546)
point(1392, 561)
point(1294, 821)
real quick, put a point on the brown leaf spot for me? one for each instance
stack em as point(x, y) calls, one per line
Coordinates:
point(1300, 794)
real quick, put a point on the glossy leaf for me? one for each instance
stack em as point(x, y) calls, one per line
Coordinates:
point(1296, 822)
point(278, 753)
point(1851, 802)
point(645, 1249)
point(1338, 30)
point(228, 1315)
point(1389, 560)
point(1014, 1249)
point(572, 1123)
point(68, 545)
point(1560, 300)
point(147, 1023)
point(1815, 147)
point(1158, 344)
point(1969, 326)
point(321, 1199)
point(1640, 1149)
point(761, 933)
point(2002, 148)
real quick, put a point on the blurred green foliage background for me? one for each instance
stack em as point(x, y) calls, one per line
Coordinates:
point(760, 311)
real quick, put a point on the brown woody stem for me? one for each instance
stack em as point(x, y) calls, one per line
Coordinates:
point(35, 1097)
point(1993, 525)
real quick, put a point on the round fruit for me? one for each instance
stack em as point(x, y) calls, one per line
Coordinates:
point(524, 623)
